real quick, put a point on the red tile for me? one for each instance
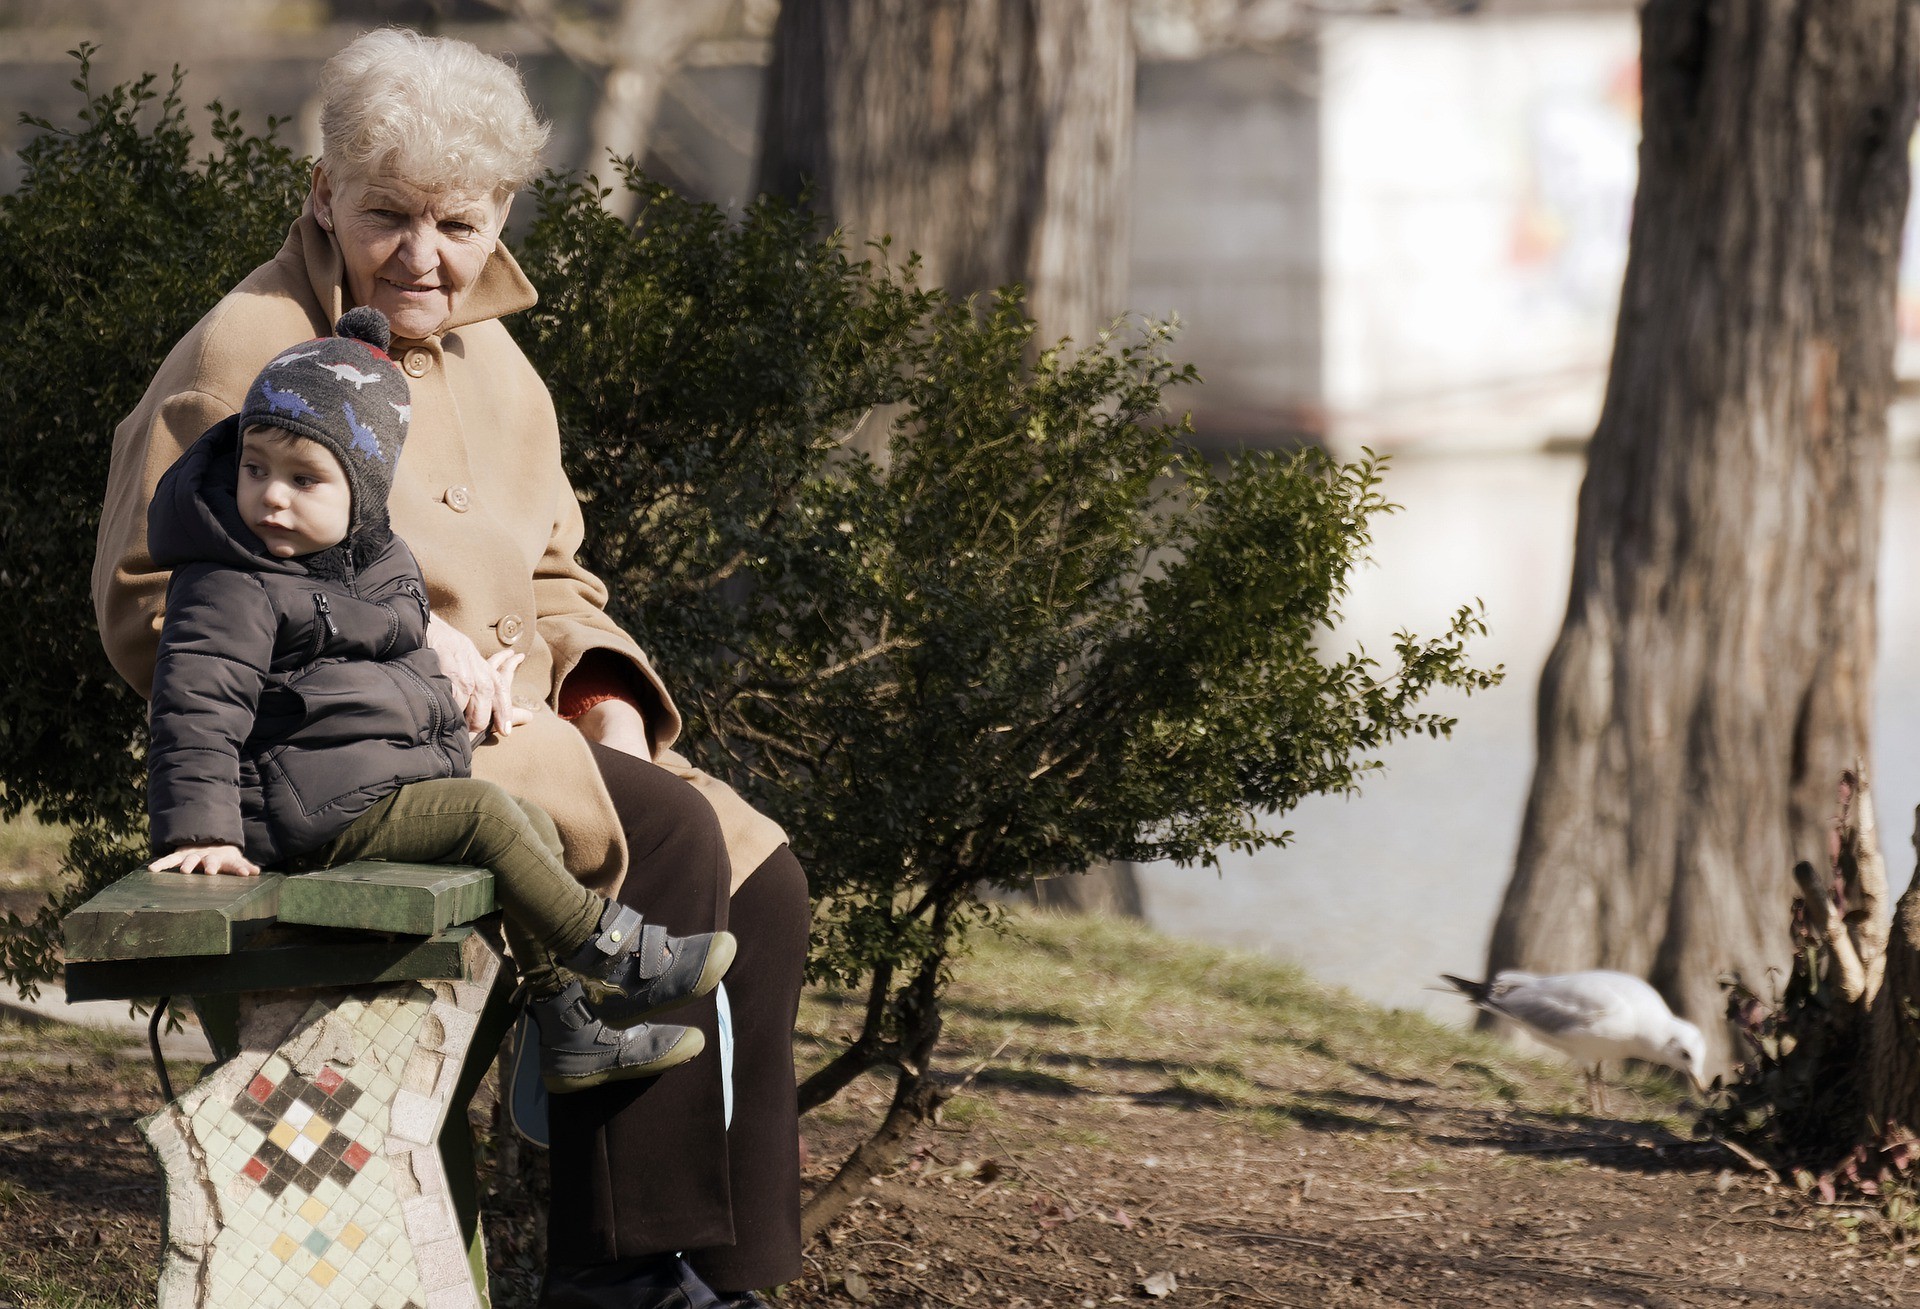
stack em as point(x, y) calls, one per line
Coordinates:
point(255, 1169)
point(328, 1080)
point(356, 1155)
point(260, 1088)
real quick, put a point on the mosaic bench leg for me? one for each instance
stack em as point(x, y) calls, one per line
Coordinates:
point(328, 1161)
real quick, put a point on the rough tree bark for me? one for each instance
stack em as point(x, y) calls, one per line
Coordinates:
point(993, 137)
point(1714, 672)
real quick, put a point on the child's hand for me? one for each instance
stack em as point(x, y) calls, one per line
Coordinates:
point(207, 859)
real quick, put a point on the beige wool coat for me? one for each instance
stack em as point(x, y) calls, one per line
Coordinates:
point(479, 495)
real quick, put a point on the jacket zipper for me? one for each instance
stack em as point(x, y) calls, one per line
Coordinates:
point(433, 713)
point(411, 588)
point(325, 612)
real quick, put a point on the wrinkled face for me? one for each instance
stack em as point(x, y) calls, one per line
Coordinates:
point(293, 493)
point(413, 255)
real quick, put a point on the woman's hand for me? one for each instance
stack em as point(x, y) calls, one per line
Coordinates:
point(483, 688)
point(504, 665)
point(207, 859)
point(617, 725)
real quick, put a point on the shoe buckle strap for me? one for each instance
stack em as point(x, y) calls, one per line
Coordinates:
point(654, 956)
point(573, 1012)
point(617, 936)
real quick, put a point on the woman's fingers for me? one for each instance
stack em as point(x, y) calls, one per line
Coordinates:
point(482, 686)
point(502, 668)
point(466, 669)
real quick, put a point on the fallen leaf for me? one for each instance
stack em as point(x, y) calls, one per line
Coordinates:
point(1121, 1218)
point(1161, 1285)
point(855, 1285)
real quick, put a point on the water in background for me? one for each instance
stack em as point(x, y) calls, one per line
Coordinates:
point(1381, 892)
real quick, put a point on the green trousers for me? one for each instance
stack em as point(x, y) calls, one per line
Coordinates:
point(463, 820)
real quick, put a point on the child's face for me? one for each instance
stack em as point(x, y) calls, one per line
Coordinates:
point(293, 493)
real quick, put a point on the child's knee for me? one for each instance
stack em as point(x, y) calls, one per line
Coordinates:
point(542, 824)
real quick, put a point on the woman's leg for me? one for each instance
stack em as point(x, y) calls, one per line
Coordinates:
point(641, 1167)
point(649, 1167)
point(770, 917)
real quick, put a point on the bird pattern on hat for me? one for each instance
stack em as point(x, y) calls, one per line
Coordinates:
point(345, 392)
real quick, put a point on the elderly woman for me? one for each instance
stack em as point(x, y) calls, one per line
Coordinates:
point(425, 143)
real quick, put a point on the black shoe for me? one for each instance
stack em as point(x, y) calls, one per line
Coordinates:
point(660, 1281)
point(578, 1050)
point(654, 972)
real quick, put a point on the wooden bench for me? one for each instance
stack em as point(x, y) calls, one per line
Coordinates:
point(324, 1157)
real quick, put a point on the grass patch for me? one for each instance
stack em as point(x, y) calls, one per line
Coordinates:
point(969, 1111)
point(53, 1040)
point(1094, 1008)
point(28, 845)
point(1127, 1004)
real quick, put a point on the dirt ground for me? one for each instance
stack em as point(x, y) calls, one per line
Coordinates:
point(1417, 1199)
point(1092, 1161)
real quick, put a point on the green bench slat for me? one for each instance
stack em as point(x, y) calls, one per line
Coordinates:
point(319, 960)
point(417, 899)
point(149, 915)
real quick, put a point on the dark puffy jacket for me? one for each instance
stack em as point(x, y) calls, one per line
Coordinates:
point(286, 700)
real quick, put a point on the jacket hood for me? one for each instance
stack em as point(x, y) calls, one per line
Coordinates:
point(195, 517)
point(195, 514)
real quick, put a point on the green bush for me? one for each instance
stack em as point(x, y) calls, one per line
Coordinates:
point(114, 244)
point(1033, 633)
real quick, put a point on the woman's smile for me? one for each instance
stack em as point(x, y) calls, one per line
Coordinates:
point(410, 253)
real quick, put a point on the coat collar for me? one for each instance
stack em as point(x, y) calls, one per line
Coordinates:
point(502, 289)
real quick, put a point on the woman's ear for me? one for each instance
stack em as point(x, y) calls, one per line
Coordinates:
point(500, 221)
point(322, 193)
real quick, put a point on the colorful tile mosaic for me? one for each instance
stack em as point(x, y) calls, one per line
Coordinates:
point(291, 1180)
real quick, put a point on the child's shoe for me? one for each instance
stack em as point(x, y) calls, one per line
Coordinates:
point(653, 971)
point(577, 1050)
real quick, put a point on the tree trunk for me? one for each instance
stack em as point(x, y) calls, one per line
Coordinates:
point(1107, 890)
point(993, 137)
point(1714, 672)
point(649, 41)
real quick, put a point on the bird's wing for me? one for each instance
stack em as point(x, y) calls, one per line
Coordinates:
point(1552, 1006)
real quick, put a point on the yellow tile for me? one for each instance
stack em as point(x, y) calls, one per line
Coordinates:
point(352, 1236)
point(283, 1247)
point(323, 1272)
point(313, 1211)
point(316, 1129)
point(282, 1135)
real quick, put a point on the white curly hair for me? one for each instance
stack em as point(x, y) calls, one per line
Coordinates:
point(431, 111)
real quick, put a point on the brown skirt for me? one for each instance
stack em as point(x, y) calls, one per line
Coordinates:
point(645, 1167)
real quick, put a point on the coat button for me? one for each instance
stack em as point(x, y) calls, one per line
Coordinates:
point(417, 363)
point(508, 629)
point(458, 499)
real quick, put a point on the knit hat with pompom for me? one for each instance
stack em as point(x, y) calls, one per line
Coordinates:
point(346, 393)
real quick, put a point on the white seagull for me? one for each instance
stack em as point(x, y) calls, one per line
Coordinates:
point(1594, 1016)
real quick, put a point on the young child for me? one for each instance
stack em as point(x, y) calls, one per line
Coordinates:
point(299, 719)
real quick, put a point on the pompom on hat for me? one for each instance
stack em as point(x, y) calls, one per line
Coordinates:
point(346, 393)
